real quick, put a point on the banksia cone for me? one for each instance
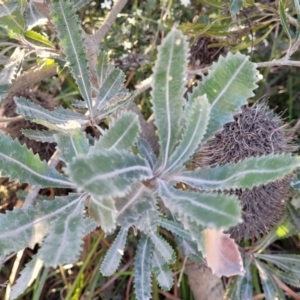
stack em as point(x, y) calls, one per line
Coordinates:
point(256, 131)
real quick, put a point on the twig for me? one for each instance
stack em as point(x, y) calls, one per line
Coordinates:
point(102, 31)
point(34, 190)
point(287, 289)
point(6, 120)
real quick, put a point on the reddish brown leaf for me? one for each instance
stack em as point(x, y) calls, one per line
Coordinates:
point(222, 254)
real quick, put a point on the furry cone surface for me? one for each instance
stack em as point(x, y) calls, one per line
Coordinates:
point(256, 131)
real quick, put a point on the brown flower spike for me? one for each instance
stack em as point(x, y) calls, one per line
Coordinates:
point(256, 131)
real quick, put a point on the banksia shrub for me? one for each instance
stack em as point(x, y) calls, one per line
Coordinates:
point(256, 131)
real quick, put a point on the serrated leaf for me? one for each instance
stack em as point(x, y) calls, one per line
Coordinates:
point(195, 127)
point(31, 225)
point(271, 289)
point(161, 271)
point(142, 269)
point(213, 210)
point(121, 135)
point(287, 277)
point(190, 249)
point(248, 173)
point(69, 32)
point(246, 287)
point(109, 173)
point(132, 207)
point(63, 243)
point(117, 105)
point(227, 86)
point(114, 254)
point(103, 212)
point(293, 214)
point(222, 254)
point(235, 6)
point(102, 67)
point(175, 227)
point(89, 225)
point(71, 144)
point(286, 262)
point(146, 151)
point(33, 17)
point(9, 72)
point(19, 163)
point(44, 136)
point(26, 278)
point(8, 8)
point(283, 20)
point(81, 104)
point(36, 113)
point(110, 88)
point(167, 92)
point(196, 231)
point(163, 248)
point(39, 38)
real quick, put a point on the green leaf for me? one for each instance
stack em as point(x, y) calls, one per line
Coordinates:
point(19, 163)
point(283, 19)
point(109, 173)
point(110, 88)
point(13, 23)
point(286, 262)
point(115, 106)
point(246, 288)
point(270, 287)
point(212, 210)
point(190, 249)
point(63, 243)
point(284, 229)
point(122, 133)
point(114, 254)
point(36, 113)
point(39, 38)
point(8, 8)
point(30, 225)
point(227, 86)
point(33, 16)
point(70, 35)
point(102, 67)
point(103, 212)
point(175, 227)
point(196, 124)
point(287, 277)
point(142, 269)
point(167, 92)
point(248, 173)
point(44, 136)
point(89, 225)
point(163, 248)
point(71, 144)
point(9, 72)
point(293, 214)
point(162, 272)
point(132, 207)
point(26, 278)
point(147, 152)
point(235, 6)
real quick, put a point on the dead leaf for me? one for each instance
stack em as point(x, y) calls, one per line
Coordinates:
point(222, 254)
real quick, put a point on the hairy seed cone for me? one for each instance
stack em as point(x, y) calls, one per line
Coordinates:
point(254, 132)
